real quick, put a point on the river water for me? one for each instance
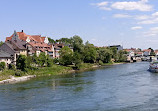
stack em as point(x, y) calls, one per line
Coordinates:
point(125, 87)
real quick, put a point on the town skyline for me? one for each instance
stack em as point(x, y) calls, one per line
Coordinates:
point(95, 21)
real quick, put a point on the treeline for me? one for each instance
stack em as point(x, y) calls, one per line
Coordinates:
point(81, 53)
point(87, 53)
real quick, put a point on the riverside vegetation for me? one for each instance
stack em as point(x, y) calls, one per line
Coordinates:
point(83, 56)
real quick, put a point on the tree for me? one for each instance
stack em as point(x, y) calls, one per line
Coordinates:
point(51, 40)
point(66, 56)
point(152, 53)
point(21, 62)
point(49, 61)
point(114, 53)
point(77, 44)
point(104, 54)
point(2, 65)
point(42, 59)
point(65, 40)
point(77, 59)
point(1, 43)
point(121, 55)
point(89, 53)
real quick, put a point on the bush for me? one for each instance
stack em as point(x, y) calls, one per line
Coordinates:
point(11, 66)
point(2, 65)
point(101, 62)
point(55, 60)
point(19, 73)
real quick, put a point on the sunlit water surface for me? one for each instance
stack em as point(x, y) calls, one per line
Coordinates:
point(126, 87)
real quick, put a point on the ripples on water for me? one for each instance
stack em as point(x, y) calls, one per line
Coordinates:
point(126, 87)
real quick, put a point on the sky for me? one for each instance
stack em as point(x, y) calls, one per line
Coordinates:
point(131, 23)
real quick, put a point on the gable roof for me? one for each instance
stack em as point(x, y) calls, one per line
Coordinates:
point(4, 54)
point(22, 36)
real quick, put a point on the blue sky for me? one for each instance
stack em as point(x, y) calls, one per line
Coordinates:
point(131, 23)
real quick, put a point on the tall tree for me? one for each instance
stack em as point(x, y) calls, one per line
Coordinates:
point(51, 40)
point(21, 62)
point(89, 53)
point(77, 44)
point(66, 56)
point(42, 59)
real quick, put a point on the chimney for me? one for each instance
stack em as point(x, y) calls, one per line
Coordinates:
point(22, 31)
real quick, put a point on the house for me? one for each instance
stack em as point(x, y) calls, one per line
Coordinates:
point(156, 52)
point(119, 47)
point(32, 43)
point(146, 52)
point(6, 57)
point(130, 52)
point(139, 54)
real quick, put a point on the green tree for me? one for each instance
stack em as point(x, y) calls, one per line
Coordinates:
point(1, 43)
point(89, 53)
point(49, 61)
point(77, 59)
point(42, 59)
point(65, 40)
point(152, 53)
point(121, 55)
point(51, 40)
point(77, 44)
point(2, 65)
point(66, 56)
point(21, 62)
point(114, 53)
point(104, 54)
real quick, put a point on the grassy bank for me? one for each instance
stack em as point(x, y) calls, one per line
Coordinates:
point(54, 70)
point(43, 71)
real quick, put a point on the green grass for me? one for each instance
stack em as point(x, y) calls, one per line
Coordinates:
point(54, 70)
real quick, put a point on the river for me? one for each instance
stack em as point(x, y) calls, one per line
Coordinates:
point(125, 87)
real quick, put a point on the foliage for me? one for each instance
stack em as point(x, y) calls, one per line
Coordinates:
point(89, 53)
point(121, 55)
point(77, 44)
point(66, 56)
point(104, 54)
point(114, 53)
point(21, 62)
point(1, 43)
point(42, 59)
point(12, 67)
point(152, 53)
point(51, 40)
point(55, 60)
point(2, 65)
point(64, 40)
point(77, 59)
point(49, 61)
point(101, 62)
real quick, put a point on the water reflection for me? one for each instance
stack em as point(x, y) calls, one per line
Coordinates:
point(127, 87)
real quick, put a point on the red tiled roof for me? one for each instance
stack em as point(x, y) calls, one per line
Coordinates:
point(23, 36)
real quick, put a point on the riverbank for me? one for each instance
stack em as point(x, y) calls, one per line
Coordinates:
point(8, 76)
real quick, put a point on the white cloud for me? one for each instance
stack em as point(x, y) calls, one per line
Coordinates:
point(155, 14)
point(105, 8)
point(152, 32)
point(142, 17)
point(140, 5)
point(101, 4)
point(149, 21)
point(136, 27)
point(121, 16)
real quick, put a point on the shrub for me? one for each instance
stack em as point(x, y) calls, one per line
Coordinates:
point(11, 66)
point(100, 62)
point(2, 65)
